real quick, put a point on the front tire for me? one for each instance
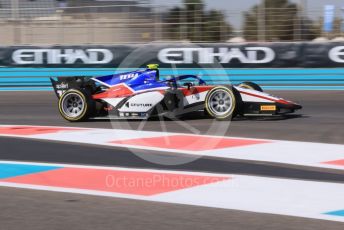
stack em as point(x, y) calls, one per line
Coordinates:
point(75, 105)
point(220, 103)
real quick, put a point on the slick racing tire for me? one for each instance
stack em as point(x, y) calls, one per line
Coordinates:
point(75, 105)
point(251, 85)
point(220, 103)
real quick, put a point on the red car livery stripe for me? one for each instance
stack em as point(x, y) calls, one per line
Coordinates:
point(195, 90)
point(267, 98)
point(120, 90)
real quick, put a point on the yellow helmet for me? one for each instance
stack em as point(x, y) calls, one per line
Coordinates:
point(153, 66)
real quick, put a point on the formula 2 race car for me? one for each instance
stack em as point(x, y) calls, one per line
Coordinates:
point(142, 94)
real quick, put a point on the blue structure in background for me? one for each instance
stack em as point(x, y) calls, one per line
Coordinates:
point(37, 79)
point(342, 23)
point(328, 18)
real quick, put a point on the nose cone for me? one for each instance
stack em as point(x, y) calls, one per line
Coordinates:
point(296, 106)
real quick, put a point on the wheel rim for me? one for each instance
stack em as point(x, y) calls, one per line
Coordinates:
point(73, 105)
point(220, 102)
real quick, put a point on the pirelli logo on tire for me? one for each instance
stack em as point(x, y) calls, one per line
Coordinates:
point(268, 108)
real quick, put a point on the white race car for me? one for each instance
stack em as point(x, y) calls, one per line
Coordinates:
point(141, 94)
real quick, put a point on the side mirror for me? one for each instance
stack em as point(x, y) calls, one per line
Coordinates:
point(188, 84)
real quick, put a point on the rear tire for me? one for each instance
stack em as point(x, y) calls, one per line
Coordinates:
point(251, 85)
point(76, 105)
point(220, 103)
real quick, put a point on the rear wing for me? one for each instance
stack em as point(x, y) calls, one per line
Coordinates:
point(62, 84)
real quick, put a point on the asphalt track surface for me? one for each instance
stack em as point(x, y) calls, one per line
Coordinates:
point(321, 120)
point(322, 117)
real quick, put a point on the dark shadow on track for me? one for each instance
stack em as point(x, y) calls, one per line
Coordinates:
point(54, 152)
point(271, 118)
point(201, 116)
